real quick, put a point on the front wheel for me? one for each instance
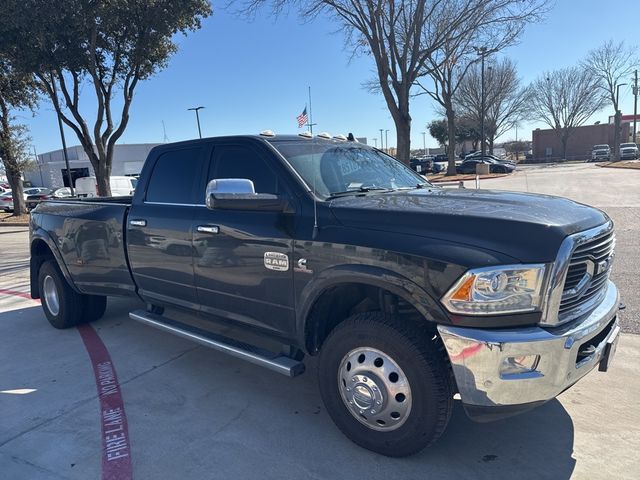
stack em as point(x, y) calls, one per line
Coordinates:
point(386, 384)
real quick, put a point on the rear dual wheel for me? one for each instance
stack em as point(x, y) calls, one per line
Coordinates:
point(63, 306)
point(386, 384)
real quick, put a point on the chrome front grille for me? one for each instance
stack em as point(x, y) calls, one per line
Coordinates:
point(587, 274)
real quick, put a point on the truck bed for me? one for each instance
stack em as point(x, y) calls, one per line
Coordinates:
point(89, 235)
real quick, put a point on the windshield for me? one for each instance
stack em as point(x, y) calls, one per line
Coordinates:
point(331, 168)
point(628, 145)
point(601, 147)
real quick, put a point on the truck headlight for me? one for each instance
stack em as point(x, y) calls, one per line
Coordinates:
point(497, 290)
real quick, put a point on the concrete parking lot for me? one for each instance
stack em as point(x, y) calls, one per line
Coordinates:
point(173, 409)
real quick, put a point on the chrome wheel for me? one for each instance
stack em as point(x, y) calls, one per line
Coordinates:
point(50, 292)
point(374, 388)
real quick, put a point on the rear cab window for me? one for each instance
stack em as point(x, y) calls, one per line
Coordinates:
point(175, 176)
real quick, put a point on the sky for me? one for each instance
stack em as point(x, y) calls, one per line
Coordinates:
point(254, 75)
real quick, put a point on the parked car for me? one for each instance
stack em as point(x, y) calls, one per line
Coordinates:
point(441, 162)
point(628, 151)
point(120, 186)
point(6, 199)
point(421, 164)
point(601, 153)
point(495, 166)
point(50, 194)
point(330, 248)
point(490, 157)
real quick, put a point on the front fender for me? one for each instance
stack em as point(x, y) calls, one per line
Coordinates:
point(39, 234)
point(366, 275)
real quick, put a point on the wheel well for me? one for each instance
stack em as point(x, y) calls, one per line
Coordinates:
point(40, 253)
point(339, 302)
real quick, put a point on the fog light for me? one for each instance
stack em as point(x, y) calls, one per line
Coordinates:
point(518, 365)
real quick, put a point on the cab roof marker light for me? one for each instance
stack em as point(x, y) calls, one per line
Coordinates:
point(306, 134)
point(267, 133)
point(326, 135)
point(340, 137)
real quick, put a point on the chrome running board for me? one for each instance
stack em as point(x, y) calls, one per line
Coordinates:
point(276, 362)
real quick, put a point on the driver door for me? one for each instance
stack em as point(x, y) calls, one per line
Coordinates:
point(234, 274)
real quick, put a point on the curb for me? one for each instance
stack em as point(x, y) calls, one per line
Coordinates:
point(14, 224)
point(619, 167)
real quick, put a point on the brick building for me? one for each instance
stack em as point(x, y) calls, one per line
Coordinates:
point(548, 147)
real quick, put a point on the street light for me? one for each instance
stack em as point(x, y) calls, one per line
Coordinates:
point(386, 140)
point(381, 140)
point(424, 143)
point(196, 109)
point(375, 142)
point(618, 114)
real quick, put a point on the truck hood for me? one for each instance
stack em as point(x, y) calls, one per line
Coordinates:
point(527, 227)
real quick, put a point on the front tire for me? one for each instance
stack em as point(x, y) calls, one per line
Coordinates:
point(386, 384)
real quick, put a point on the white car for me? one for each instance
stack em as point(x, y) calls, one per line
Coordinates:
point(6, 199)
point(120, 186)
point(628, 151)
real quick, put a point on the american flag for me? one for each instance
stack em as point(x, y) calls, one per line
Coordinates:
point(302, 118)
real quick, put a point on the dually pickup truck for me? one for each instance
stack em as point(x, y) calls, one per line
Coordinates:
point(409, 294)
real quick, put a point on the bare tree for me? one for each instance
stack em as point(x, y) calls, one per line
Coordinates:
point(108, 46)
point(506, 101)
point(401, 36)
point(492, 27)
point(17, 91)
point(612, 62)
point(565, 99)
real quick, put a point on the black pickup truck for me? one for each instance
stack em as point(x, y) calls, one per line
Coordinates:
point(409, 294)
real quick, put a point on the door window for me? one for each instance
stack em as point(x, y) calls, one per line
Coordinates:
point(174, 177)
point(240, 161)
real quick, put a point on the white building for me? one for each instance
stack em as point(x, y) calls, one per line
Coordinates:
point(50, 170)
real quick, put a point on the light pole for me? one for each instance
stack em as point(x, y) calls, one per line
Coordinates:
point(381, 140)
point(64, 142)
point(424, 143)
point(482, 51)
point(635, 105)
point(196, 109)
point(386, 140)
point(618, 115)
point(375, 142)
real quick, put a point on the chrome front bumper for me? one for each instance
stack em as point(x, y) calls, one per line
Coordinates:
point(478, 355)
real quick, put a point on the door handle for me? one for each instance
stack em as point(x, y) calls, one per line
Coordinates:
point(208, 229)
point(138, 223)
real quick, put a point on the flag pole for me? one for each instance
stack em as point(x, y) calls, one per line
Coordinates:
point(310, 123)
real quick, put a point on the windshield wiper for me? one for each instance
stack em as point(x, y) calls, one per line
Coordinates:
point(356, 191)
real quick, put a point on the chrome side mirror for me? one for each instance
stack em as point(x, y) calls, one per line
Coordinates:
point(237, 186)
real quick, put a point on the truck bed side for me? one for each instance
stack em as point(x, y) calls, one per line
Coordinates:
point(88, 237)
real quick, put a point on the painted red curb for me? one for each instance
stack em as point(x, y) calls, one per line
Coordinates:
point(116, 452)
point(15, 293)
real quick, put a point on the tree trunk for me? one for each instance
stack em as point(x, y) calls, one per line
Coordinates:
point(565, 140)
point(15, 181)
point(14, 176)
point(103, 172)
point(402, 120)
point(403, 130)
point(491, 141)
point(451, 145)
